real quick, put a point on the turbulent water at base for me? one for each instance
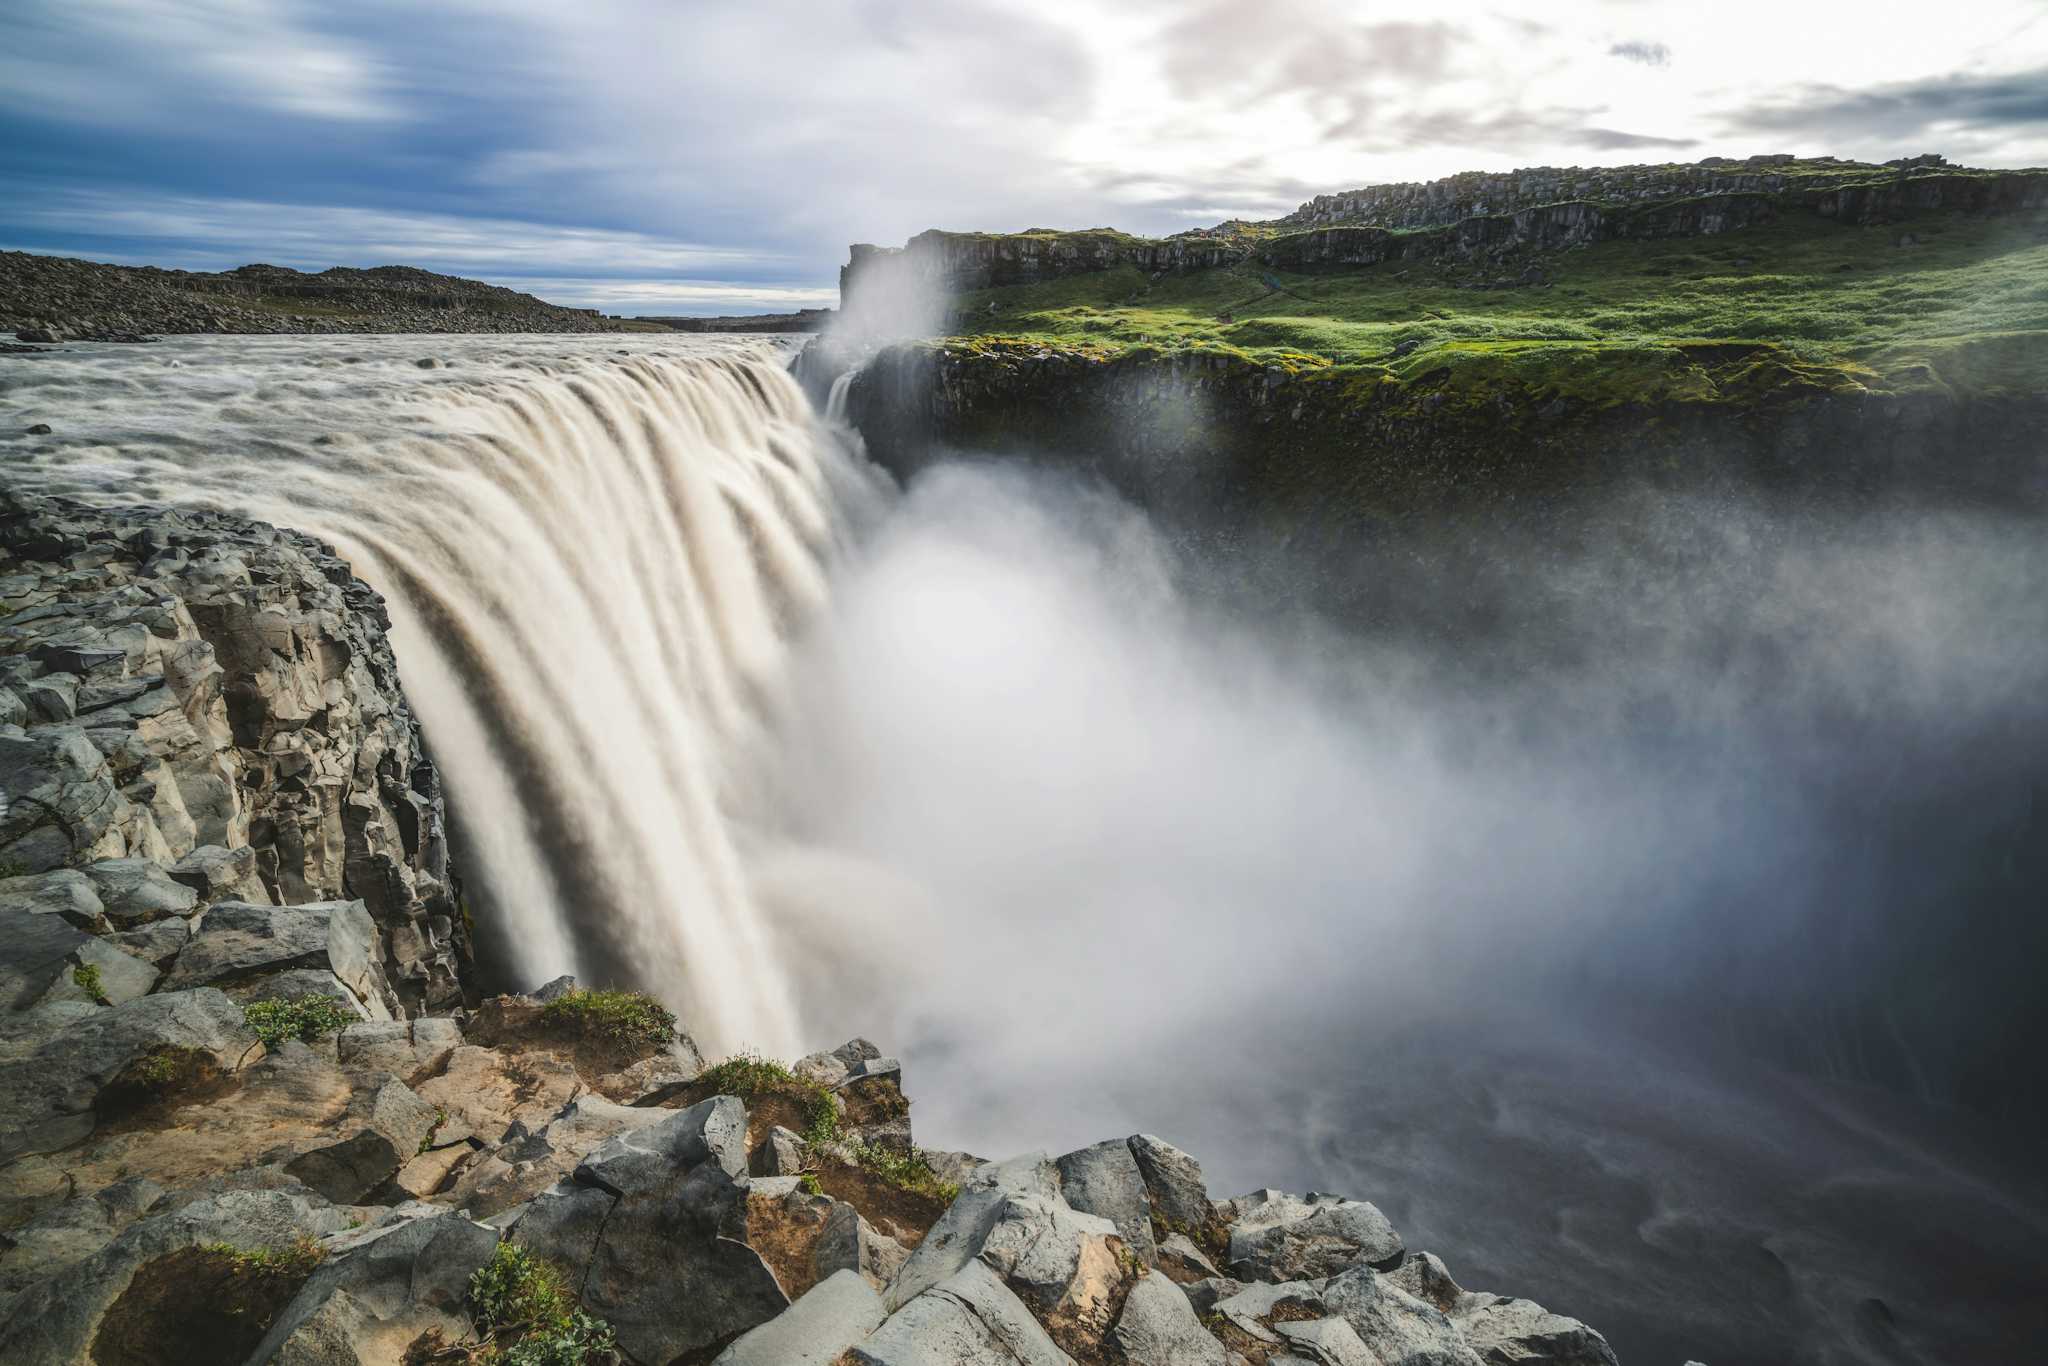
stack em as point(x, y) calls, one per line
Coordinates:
point(594, 552)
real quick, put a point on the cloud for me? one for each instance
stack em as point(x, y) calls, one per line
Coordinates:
point(1905, 109)
point(1645, 54)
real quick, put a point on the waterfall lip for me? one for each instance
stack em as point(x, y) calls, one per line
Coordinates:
point(594, 552)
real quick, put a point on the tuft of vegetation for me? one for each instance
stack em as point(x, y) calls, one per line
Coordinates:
point(157, 1070)
point(294, 1261)
point(909, 1170)
point(809, 1185)
point(276, 1019)
point(527, 1315)
point(748, 1075)
point(630, 1017)
point(87, 976)
point(12, 867)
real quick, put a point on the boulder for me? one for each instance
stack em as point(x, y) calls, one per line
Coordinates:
point(216, 873)
point(1071, 1268)
point(961, 1231)
point(1181, 1261)
point(385, 1128)
point(156, 943)
point(64, 892)
point(830, 1069)
point(120, 977)
point(968, 1319)
point(834, 1315)
point(1158, 1327)
point(1513, 1332)
point(1103, 1179)
point(35, 952)
point(55, 1066)
point(254, 947)
point(135, 891)
point(379, 1292)
point(62, 800)
point(70, 1232)
point(1173, 1183)
point(1280, 1237)
point(1393, 1324)
point(528, 1161)
point(713, 1130)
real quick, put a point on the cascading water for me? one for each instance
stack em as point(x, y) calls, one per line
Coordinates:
point(594, 554)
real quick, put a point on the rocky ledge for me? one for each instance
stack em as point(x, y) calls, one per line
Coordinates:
point(251, 1112)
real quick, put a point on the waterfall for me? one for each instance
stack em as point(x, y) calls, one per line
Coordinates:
point(593, 565)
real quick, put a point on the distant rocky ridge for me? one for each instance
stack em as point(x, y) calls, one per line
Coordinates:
point(1492, 219)
point(216, 804)
point(52, 299)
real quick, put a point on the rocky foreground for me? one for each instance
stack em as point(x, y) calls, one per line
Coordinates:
point(255, 1108)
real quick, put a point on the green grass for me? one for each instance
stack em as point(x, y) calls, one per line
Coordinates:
point(1965, 308)
point(748, 1075)
point(527, 1314)
point(909, 1170)
point(295, 1260)
point(276, 1019)
point(630, 1017)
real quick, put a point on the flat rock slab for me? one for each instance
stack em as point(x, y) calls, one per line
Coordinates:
point(836, 1314)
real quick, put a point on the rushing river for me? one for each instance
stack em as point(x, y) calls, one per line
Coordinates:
point(968, 766)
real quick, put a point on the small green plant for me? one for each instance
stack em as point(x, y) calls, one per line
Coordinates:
point(156, 1070)
point(527, 1313)
point(87, 976)
point(909, 1170)
point(294, 1261)
point(627, 1016)
point(808, 1184)
point(276, 1019)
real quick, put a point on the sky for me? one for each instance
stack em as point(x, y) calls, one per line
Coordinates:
point(678, 156)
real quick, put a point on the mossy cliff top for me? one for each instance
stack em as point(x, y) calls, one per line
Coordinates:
point(1845, 278)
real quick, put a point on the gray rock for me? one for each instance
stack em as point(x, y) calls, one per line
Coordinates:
point(63, 892)
point(832, 1068)
point(1182, 1261)
point(850, 1243)
point(1205, 1295)
point(554, 990)
point(121, 977)
point(35, 951)
point(136, 891)
point(53, 697)
point(55, 1064)
point(243, 943)
point(1173, 1181)
point(1062, 1263)
point(1393, 1324)
point(13, 711)
point(54, 1321)
point(156, 943)
point(1333, 1342)
point(62, 800)
point(1512, 1332)
point(1158, 1327)
point(969, 1319)
point(784, 1152)
point(1424, 1276)
point(407, 1049)
point(1280, 1237)
point(962, 1230)
point(365, 1305)
point(713, 1129)
point(385, 1128)
point(1103, 1179)
point(833, 1315)
point(216, 873)
point(563, 1222)
point(69, 1233)
point(663, 1273)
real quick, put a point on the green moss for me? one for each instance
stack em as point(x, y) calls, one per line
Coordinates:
point(1963, 306)
point(276, 1019)
point(87, 976)
point(12, 868)
point(154, 1071)
point(625, 1016)
point(527, 1314)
